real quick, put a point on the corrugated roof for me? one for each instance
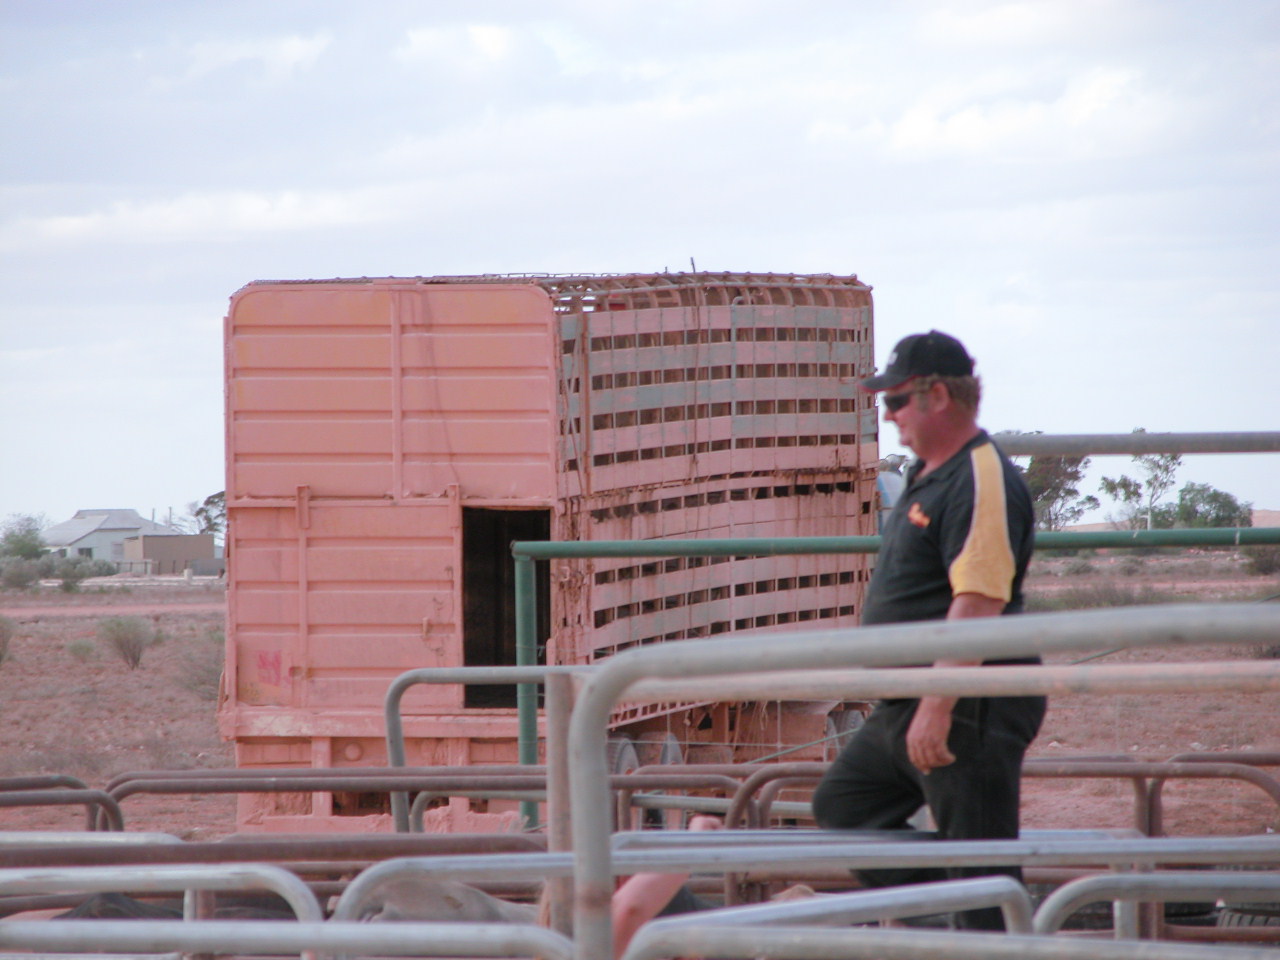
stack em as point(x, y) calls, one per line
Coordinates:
point(86, 522)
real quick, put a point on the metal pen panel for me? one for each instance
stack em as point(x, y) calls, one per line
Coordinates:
point(1177, 887)
point(165, 879)
point(875, 646)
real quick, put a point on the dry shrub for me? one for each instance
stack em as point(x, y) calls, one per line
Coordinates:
point(1131, 566)
point(81, 649)
point(1077, 567)
point(1262, 561)
point(1108, 593)
point(8, 628)
point(202, 665)
point(129, 637)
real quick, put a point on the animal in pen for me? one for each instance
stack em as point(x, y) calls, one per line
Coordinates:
point(387, 440)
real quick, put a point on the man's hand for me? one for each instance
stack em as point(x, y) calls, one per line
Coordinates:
point(927, 736)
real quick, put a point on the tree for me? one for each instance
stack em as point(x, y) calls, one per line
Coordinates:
point(1054, 484)
point(212, 513)
point(206, 516)
point(21, 537)
point(1138, 498)
point(1200, 505)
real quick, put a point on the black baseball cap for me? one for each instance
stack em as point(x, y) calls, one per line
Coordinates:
point(920, 355)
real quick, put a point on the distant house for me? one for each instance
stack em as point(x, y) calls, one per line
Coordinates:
point(100, 534)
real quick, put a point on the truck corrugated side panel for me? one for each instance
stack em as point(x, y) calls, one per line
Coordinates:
point(362, 418)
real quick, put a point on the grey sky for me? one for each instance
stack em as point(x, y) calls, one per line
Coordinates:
point(1084, 191)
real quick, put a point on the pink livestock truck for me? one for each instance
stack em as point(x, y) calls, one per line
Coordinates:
point(387, 440)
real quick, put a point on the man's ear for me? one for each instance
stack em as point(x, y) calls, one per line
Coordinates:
point(937, 398)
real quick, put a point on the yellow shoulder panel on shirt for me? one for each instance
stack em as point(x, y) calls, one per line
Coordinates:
point(985, 563)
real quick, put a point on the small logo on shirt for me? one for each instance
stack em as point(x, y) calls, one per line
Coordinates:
point(917, 516)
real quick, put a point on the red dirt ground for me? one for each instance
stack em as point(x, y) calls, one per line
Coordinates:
point(72, 706)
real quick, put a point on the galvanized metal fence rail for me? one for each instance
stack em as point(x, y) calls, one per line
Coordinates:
point(654, 942)
point(881, 646)
point(94, 801)
point(271, 938)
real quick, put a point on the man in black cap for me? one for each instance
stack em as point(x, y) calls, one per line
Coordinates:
point(956, 545)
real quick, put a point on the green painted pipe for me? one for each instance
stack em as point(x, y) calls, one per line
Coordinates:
point(784, 546)
point(527, 656)
point(1184, 537)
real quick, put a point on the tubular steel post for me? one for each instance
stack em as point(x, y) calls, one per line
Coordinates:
point(559, 693)
point(876, 646)
point(527, 656)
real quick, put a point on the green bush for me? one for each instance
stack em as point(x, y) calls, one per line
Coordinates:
point(18, 574)
point(1262, 561)
point(129, 637)
point(8, 628)
point(70, 573)
point(81, 649)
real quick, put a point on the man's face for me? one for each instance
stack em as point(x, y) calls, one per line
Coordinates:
point(910, 417)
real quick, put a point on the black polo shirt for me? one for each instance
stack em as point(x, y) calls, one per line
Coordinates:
point(967, 527)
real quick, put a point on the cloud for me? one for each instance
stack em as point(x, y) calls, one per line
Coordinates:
point(201, 216)
point(468, 46)
point(1098, 112)
point(279, 57)
point(1011, 24)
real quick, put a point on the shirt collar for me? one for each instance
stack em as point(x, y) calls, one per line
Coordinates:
point(951, 465)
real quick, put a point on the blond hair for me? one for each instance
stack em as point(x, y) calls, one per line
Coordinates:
point(965, 391)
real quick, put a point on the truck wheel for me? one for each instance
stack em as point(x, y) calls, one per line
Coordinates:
point(621, 756)
point(840, 728)
point(659, 746)
point(1249, 915)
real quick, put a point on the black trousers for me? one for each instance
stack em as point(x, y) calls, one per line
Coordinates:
point(873, 786)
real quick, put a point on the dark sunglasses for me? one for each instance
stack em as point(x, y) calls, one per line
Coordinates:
point(895, 402)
